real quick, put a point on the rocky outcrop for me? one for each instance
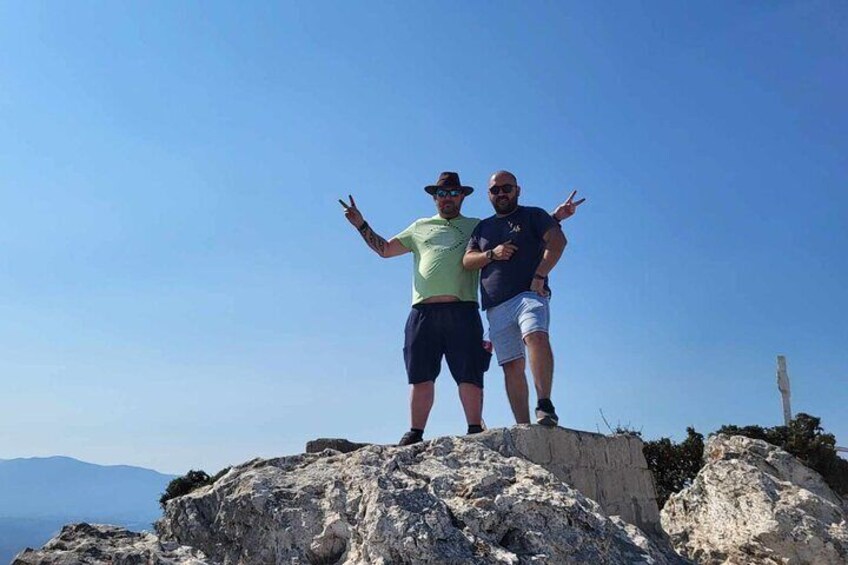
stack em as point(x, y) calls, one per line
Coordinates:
point(611, 470)
point(86, 544)
point(754, 503)
point(520, 495)
point(451, 500)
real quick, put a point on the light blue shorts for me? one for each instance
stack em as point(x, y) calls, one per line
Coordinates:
point(511, 321)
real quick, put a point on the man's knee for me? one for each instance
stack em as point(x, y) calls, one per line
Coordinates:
point(514, 369)
point(536, 338)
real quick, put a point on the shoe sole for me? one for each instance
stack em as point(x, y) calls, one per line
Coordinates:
point(409, 443)
point(547, 421)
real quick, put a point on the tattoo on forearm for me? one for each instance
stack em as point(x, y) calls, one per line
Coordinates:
point(374, 241)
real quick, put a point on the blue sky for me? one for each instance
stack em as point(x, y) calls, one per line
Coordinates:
point(179, 288)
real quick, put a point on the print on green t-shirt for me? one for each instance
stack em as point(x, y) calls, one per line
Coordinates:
point(438, 245)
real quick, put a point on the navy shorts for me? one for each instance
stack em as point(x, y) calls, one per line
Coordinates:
point(450, 329)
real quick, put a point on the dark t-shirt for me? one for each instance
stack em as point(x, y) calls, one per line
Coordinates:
point(526, 228)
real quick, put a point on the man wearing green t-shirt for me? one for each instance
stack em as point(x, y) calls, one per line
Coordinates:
point(444, 320)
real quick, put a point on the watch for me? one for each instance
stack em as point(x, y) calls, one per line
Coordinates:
point(490, 254)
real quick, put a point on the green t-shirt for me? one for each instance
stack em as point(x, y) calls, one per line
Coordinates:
point(438, 246)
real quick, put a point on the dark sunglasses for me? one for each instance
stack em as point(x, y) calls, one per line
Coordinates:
point(505, 188)
point(442, 193)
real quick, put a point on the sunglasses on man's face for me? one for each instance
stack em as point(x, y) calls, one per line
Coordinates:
point(442, 193)
point(505, 188)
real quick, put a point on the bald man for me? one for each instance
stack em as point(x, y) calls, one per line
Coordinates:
point(516, 249)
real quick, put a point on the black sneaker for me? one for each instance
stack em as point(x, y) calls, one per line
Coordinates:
point(545, 418)
point(410, 438)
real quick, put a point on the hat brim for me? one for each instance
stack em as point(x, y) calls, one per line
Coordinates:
point(431, 189)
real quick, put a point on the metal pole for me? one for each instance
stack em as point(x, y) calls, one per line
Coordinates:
point(783, 386)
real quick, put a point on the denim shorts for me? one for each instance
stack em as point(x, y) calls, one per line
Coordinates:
point(511, 321)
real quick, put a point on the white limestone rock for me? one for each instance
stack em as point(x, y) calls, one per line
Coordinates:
point(94, 544)
point(446, 501)
point(754, 503)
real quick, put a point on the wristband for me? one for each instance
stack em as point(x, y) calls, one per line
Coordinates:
point(363, 227)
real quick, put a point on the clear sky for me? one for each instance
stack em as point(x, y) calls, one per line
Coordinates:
point(179, 287)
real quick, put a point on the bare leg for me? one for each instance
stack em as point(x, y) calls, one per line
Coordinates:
point(420, 402)
point(541, 362)
point(471, 397)
point(482, 421)
point(516, 390)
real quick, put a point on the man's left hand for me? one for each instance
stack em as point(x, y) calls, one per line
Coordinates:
point(568, 208)
point(538, 286)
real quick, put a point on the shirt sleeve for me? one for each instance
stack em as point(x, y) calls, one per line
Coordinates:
point(406, 237)
point(542, 222)
point(474, 241)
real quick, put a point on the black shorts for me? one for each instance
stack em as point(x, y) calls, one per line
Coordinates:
point(452, 329)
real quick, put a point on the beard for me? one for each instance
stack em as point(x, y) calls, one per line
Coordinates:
point(448, 210)
point(505, 205)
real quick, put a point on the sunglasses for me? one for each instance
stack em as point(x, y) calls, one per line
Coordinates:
point(442, 193)
point(505, 188)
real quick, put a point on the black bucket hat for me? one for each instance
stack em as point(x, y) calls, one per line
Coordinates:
point(448, 180)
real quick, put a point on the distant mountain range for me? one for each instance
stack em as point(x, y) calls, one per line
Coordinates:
point(40, 494)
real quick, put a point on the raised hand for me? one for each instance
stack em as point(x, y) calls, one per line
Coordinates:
point(352, 212)
point(567, 208)
point(504, 251)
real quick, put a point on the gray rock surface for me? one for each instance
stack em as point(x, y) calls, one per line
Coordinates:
point(754, 503)
point(93, 544)
point(452, 500)
point(611, 470)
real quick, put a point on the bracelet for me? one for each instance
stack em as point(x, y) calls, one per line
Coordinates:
point(363, 227)
point(538, 276)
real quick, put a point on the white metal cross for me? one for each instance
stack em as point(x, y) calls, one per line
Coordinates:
point(783, 386)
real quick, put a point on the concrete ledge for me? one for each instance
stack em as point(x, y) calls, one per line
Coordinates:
point(611, 470)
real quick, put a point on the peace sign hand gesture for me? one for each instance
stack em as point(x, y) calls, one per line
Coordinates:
point(567, 208)
point(352, 212)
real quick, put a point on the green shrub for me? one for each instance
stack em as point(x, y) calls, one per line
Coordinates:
point(191, 481)
point(674, 465)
